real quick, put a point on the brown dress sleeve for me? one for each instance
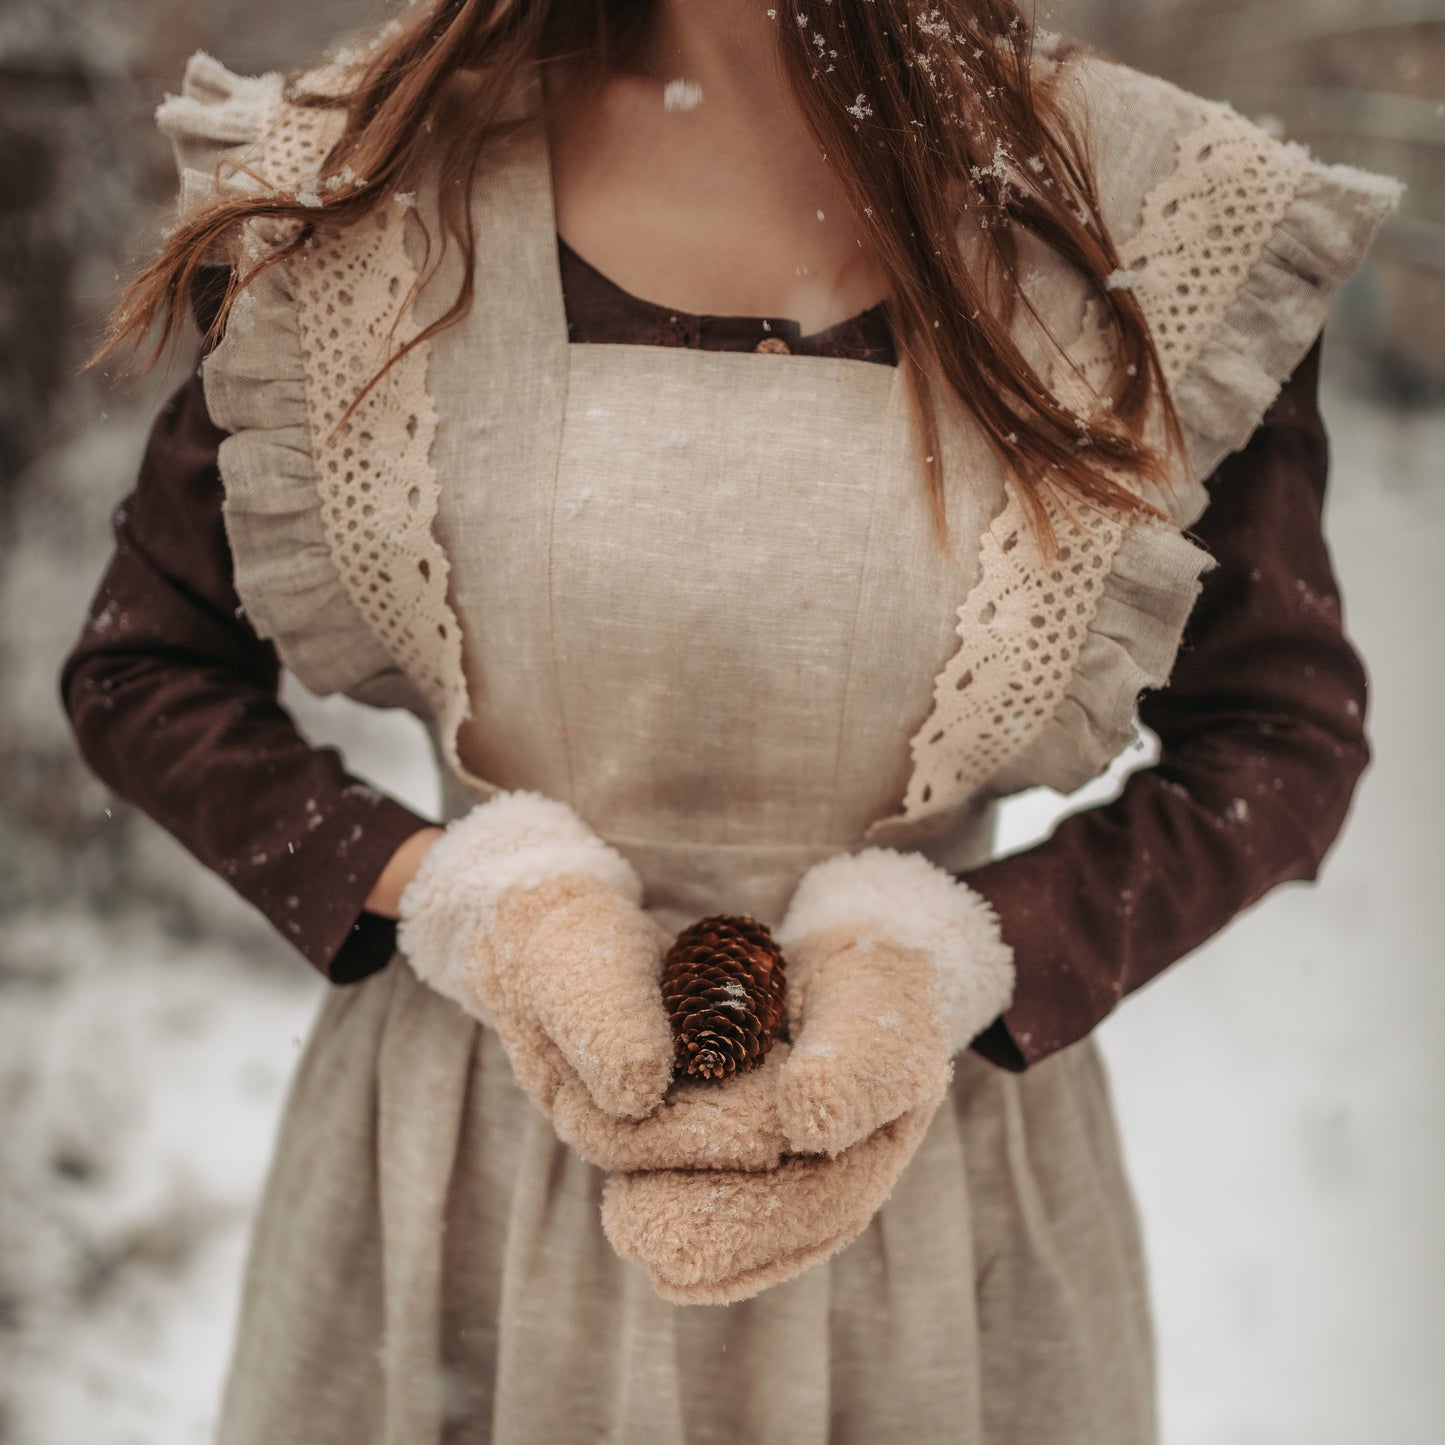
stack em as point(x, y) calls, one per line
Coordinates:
point(174, 702)
point(1262, 742)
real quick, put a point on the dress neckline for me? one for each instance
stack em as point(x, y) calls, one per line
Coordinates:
point(599, 309)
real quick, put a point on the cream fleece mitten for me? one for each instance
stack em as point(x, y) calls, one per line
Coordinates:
point(893, 966)
point(716, 1238)
point(699, 1125)
point(521, 914)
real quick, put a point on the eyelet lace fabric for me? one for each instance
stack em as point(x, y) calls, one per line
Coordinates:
point(376, 490)
point(1024, 624)
point(1204, 228)
point(1021, 630)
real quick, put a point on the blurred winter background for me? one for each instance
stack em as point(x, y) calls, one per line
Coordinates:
point(1282, 1094)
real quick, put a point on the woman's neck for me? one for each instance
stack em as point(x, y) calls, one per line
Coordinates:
point(709, 196)
point(725, 47)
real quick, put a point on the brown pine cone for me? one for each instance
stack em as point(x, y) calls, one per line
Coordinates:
point(724, 988)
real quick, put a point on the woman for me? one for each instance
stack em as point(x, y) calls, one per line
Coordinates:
point(712, 609)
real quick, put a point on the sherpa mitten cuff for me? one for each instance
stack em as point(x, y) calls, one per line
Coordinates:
point(514, 840)
point(905, 899)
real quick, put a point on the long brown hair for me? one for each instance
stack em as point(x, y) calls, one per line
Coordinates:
point(918, 112)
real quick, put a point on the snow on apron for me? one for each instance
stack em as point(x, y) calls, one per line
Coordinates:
point(696, 595)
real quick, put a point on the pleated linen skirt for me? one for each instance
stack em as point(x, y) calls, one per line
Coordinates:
point(428, 1266)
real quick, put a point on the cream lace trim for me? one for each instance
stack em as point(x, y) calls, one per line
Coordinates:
point(1022, 626)
point(1203, 228)
point(377, 490)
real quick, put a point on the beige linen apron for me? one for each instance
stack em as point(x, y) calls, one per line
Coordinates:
point(697, 596)
point(706, 609)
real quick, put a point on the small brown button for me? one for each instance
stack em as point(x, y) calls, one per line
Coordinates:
point(773, 343)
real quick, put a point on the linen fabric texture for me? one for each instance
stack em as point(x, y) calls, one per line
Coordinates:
point(726, 717)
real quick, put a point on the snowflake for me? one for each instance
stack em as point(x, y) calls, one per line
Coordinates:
point(931, 22)
point(343, 178)
point(681, 95)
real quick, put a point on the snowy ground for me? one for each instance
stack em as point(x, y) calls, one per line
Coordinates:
point(1288, 1161)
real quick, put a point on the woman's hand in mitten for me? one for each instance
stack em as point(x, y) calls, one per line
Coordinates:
point(893, 966)
point(700, 1124)
point(722, 1236)
point(521, 914)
